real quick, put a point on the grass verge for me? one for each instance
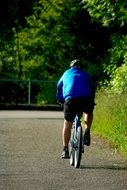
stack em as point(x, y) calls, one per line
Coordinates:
point(110, 119)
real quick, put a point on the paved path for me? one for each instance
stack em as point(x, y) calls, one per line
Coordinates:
point(31, 114)
point(30, 150)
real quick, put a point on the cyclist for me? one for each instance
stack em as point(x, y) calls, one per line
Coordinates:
point(76, 92)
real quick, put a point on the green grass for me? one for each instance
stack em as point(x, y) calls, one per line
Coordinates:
point(110, 119)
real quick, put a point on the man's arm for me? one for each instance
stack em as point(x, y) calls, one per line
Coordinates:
point(59, 94)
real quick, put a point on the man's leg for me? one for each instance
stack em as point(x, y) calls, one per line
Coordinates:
point(88, 118)
point(68, 121)
point(66, 134)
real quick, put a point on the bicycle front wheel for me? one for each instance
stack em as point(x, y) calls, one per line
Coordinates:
point(78, 149)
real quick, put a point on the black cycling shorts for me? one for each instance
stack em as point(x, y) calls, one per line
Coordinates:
point(73, 106)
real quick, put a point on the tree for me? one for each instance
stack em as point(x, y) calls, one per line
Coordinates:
point(58, 32)
point(45, 41)
point(107, 12)
point(113, 15)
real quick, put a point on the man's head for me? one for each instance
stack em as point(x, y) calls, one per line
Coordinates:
point(76, 63)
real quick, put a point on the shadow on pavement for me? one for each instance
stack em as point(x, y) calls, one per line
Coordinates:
point(105, 167)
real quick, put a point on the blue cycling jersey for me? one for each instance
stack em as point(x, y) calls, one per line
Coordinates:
point(74, 83)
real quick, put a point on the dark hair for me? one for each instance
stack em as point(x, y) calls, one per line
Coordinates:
point(76, 63)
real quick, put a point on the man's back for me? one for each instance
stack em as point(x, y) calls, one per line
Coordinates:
point(75, 83)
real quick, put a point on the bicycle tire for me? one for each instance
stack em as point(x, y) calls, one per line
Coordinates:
point(71, 148)
point(72, 158)
point(78, 150)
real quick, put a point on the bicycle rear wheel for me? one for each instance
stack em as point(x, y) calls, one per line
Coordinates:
point(78, 149)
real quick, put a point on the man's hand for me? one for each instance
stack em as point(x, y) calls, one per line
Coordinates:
point(61, 103)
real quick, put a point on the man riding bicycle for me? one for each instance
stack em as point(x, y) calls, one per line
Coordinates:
point(76, 91)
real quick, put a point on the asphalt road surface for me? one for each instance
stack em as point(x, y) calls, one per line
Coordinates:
point(30, 156)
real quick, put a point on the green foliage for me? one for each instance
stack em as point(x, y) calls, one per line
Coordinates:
point(56, 33)
point(115, 63)
point(106, 11)
point(112, 13)
point(118, 82)
point(47, 94)
point(46, 41)
point(110, 118)
point(118, 50)
point(7, 60)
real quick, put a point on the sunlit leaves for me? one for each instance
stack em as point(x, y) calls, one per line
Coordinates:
point(107, 12)
point(119, 79)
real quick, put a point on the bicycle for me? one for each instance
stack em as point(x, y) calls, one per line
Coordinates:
point(76, 147)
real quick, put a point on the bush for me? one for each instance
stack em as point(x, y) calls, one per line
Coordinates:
point(47, 94)
point(119, 81)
